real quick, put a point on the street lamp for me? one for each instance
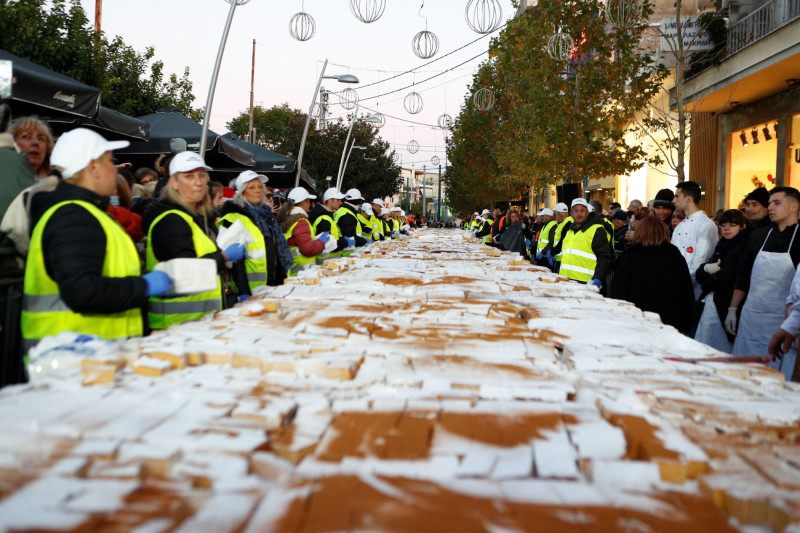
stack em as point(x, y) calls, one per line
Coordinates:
point(215, 75)
point(342, 78)
point(352, 147)
point(373, 120)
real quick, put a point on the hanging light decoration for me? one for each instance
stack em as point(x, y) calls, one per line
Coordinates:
point(302, 26)
point(395, 157)
point(560, 46)
point(413, 103)
point(623, 13)
point(483, 16)
point(445, 121)
point(367, 11)
point(381, 120)
point(348, 98)
point(435, 160)
point(413, 147)
point(425, 44)
point(483, 99)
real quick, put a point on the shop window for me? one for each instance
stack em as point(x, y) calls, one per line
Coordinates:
point(793, 157)
point(752, 162)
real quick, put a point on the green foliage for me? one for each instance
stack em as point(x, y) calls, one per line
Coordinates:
point(62, 39)
point(280, 129)
point(717, 28)
point(552, 122)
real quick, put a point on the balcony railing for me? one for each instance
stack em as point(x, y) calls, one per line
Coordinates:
point(761, 22)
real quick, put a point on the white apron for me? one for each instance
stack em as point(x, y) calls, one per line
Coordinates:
point(765, 308)
point(710, 330)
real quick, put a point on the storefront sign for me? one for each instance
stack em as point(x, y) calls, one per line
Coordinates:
point(695, 37)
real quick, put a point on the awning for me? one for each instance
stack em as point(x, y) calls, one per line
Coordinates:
point(109, 123)
point(278, 168)
point(171, 124)
point(41, 91)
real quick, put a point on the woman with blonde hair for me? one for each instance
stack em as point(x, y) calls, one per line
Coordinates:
point(653, 275)
point(179, 225)
point(33, 137)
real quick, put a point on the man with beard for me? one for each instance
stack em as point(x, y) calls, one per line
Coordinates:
point(755, 208)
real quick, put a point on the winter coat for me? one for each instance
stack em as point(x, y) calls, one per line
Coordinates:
point(657, 279)
point(279, 257)
point(513, 238)
point(728, 252)
point(349, 225)
point(131, 222)
point(301, 237)
point(16, 173)
point(318, 211)
point(74, 245)
point(172, 236)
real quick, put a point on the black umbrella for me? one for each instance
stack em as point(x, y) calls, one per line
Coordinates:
point(109, 123)
point(170, 124)
point(278, 168)
point(41, 91)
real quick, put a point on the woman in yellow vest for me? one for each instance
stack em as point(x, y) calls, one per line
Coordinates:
point(83, 272)
point(267, 259)
point(180, 225)
point(293, 218)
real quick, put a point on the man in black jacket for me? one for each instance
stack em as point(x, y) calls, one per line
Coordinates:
point(346, 218)
point(321, 217)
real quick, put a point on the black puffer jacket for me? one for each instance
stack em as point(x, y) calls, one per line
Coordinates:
point(74, 245)
point(172, 236)
point(318, 211)
point(349, 224)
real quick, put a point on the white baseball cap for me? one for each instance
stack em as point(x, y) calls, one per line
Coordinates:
point(298, 194)
point(581, 201)
point(77, 148)
point(367, 208)
point(485, 212)
point(353, 194)
point(561, 207)
point(185, 162)
point(377, 201)
point(247, 176)
point(402, 213)
point(332, 194)
point(545, 212)
point(396, 210)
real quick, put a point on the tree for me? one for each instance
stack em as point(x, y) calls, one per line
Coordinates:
point(280, 129)
point(553, 121)
point(61, 38)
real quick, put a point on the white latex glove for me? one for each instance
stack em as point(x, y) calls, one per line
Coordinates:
point(712, 268)
point(730, 321)
point(330, 246)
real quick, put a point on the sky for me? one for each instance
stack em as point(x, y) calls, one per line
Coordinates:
point(188, 32)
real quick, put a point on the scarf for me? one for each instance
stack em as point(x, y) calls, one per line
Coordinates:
point(262, 216)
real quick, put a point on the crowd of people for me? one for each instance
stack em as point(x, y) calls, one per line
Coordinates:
point(730, 282)
point(92, 238)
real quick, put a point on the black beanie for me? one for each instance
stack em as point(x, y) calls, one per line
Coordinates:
point(664, 198)
point(760, 195)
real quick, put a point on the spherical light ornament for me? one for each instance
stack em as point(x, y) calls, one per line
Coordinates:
point(435, 160)
point(348, 98)
point(483, 99)
point(560, 46)
point(302, 26)
point(381, 118)
point(413, 147)
point(395, 157)
point(413, 103)
point(367, 11)
point(425, 44)
point(445, 121)
point(483, 16)
point(623, 13)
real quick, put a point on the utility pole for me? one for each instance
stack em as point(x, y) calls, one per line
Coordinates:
point(98, 16)
point(439, 204)
point(250, 133)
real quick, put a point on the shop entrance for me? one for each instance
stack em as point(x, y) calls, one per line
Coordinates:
point(752, 160)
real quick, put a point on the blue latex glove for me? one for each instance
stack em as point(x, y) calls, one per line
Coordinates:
point(351, 241)
point(234, 252)
point(539, 256)
point(157, 283)
point(243, 298)
point(324, 236)
point(596, 282)
point(550, 259)
point(527, 242)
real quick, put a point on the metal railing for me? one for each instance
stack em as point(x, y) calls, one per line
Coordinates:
point(761, 22)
